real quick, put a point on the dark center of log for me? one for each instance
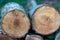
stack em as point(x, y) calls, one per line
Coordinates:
point(16, 22)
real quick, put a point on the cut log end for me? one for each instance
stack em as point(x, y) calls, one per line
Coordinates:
point(5, 37)
point(16, 23)
point(33, 38)
point(45, 20)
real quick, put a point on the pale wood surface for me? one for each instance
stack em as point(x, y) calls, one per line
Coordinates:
point(45, 20)
point(16, 23)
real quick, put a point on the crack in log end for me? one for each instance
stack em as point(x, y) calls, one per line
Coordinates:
point(46, 20)
point(16, 22)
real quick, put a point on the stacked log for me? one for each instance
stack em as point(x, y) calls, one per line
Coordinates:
point(57, 36)
point(15, 21)
point(5, 37)
point(45, 19)
point(33, 37)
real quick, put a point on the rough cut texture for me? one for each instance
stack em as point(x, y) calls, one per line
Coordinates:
point(15, 23)
point(45, 20)
point(5, 37)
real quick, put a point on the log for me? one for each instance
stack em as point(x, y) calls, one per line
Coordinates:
point(5, 37)
point(45, 18)
point(15, 21)
point(33, 37)
point(57, 36)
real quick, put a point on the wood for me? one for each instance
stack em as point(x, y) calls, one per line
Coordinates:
point(45, 20)
point(15, 23)
point(57, 36)
point(5, 37)
point(33, 37)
